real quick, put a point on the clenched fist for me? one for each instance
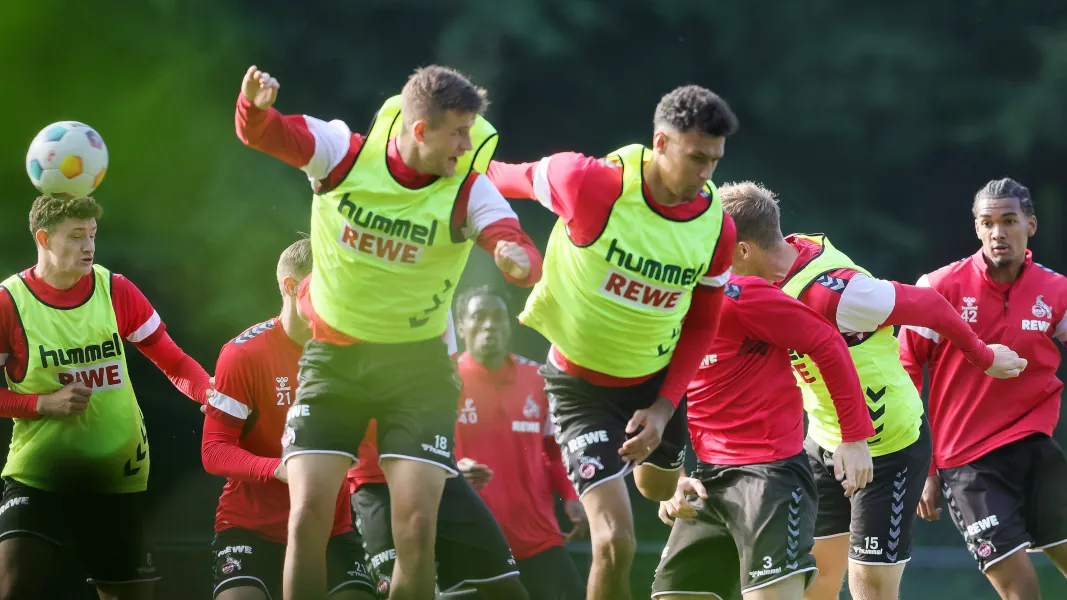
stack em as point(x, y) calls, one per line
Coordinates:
point(512, 259)
point(260, 88)
point(1006, 363)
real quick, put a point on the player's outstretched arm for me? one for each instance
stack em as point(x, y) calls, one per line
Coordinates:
point(496, 229)
point(571, 185)
point(309, 144)
point(788, 323)
point(222, 455)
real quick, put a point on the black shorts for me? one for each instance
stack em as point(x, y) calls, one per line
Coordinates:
point(243, 559)
point(591, 426)
point(106, 530)
point(880, 518)
point(411, 390)
point(758, 521)
point(470, 545)
point(551, 575)
point(1010, 499)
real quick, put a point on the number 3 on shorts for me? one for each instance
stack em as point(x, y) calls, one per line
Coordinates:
point(767, 562)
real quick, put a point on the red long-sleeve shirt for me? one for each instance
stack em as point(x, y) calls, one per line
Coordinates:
point(582, 191)
point(504, 424)
point(326, 152)
point(971, 413)
point(138, 324)
point(255, 381)
point(744, 405)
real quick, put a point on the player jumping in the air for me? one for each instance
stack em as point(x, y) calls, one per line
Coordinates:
point(1003, 475)
point(752, 529)
point(255, 387)
point(474, 554)
point(77, 469)
point(630, 301)
point(872, 530)
point(394, 217)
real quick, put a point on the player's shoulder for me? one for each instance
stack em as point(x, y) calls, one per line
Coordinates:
point(525, 364)
point(254, 338)
point(1051, 275)
point(953, 271)
point(741, 288)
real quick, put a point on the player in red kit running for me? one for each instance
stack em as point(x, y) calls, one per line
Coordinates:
point(757, 496)
point(256, 383)
point(1003, 475)
point(630, 301)
point(505, 444)
point(868, 534)
point(77, 469)
point(475, 556)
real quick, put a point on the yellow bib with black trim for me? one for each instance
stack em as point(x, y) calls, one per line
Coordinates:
point(103, 450)
point(387, 259)
point(894, 405)
point(616, 305)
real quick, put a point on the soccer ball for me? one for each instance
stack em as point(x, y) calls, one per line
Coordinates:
point(67, 160)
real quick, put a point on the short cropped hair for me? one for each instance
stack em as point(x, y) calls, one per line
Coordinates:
point(693, 107)
point(48, 212)
point(296, 261)
point(463, 301)
point(434, 90)
point(755, 212)
point(1004, 188)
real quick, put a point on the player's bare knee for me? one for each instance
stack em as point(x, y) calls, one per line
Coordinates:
point(875, 582)
point(1015, 578)
point(616, 546)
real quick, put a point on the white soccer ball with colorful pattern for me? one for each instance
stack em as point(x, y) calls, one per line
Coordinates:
point(67, 160)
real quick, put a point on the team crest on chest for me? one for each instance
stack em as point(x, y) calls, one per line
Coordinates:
point(1040, 309)
point(531, 410)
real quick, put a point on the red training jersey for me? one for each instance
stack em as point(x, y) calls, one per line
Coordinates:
point(255, 384)
point(504, 424)
point(744, 405)
point(971, 413)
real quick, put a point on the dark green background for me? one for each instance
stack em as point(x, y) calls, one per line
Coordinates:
point(875, 122)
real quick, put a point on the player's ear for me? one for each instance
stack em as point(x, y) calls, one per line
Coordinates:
point(41, 236)
point(659, 141)
point(418, 130)
point(290, 286)
point(1031, 225)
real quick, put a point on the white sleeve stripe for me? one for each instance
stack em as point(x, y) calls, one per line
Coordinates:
point(150, 326)
point(230, 406)
point(926, 332)
point(924, 281)
point(716, 280)
point(450, 335)
point(332, 141)
point(865, 304)
point(485, 207)
point(542, 189)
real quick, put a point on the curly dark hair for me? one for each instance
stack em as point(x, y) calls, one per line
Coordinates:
point(47, 212)
point(463, 299)
point(693, 107)
point(1005, 188)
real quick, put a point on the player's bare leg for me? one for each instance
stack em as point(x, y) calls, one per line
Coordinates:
point(831, 557)
point(24, 566)
point(790, 588)
point(1058, 555)
point(874, 582)
point(1015, 578)
point(126, 591)
point(655, 483)
point(611, 530)
point(247, 592)
point(314, 482)
point(415, 490)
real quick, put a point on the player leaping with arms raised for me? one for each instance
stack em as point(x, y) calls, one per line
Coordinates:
point(77, 469)
point(394, 216)
point(641, 245)
point(872, 530)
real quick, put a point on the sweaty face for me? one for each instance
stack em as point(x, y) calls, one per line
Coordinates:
point(72, 245)
point(485, 327)
point(1004, 230)
point(688, 160)
point(444, 143)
